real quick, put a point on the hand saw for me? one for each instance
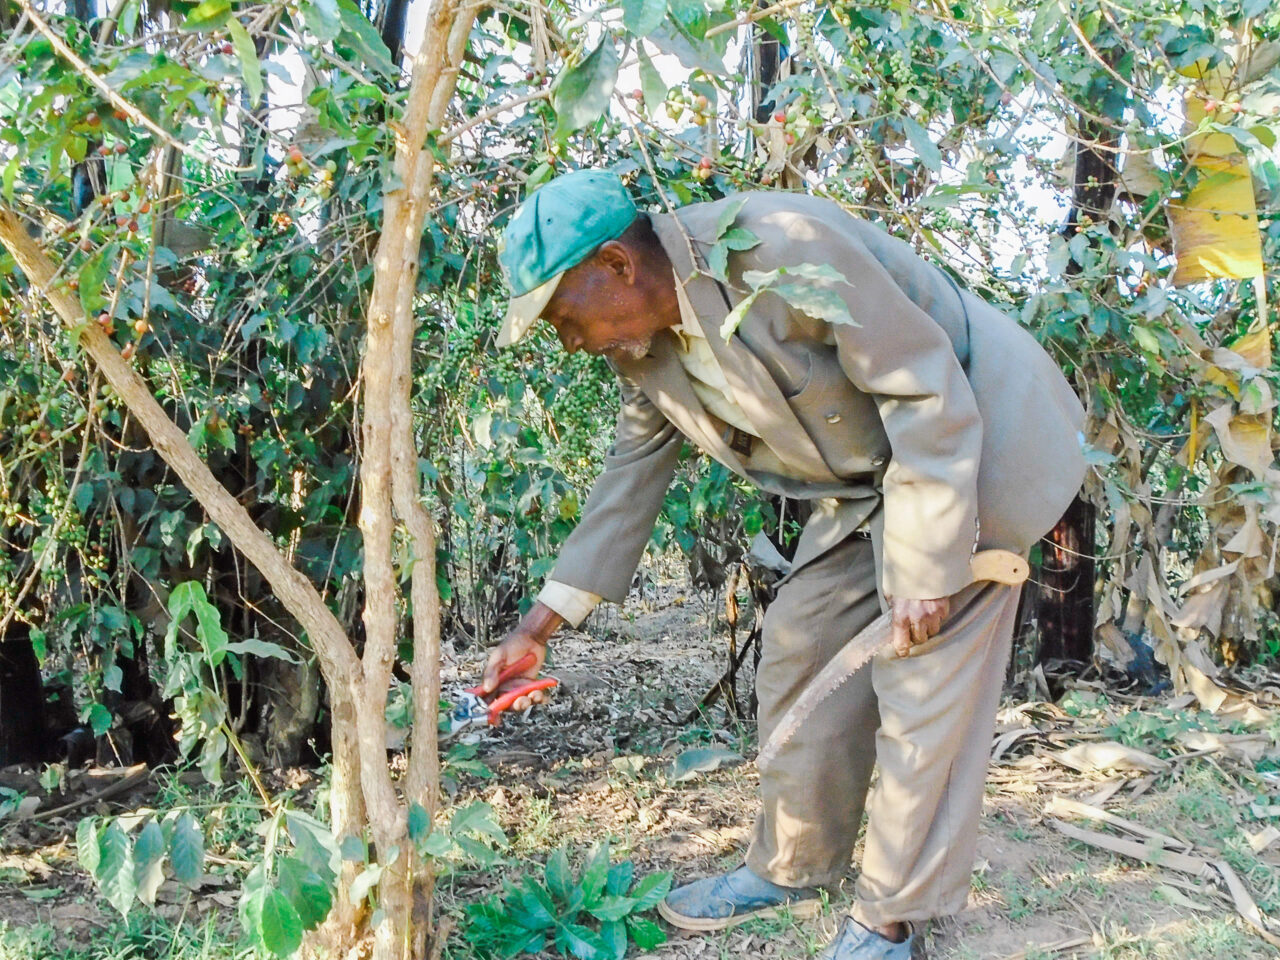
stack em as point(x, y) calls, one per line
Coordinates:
point(1000, 566)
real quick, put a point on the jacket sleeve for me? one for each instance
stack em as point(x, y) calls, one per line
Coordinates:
point(901, 357)
point(603, 551)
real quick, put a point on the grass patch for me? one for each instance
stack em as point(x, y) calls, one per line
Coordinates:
point(142, 935)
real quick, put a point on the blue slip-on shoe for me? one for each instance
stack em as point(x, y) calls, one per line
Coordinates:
point(856, 942)
point(716, 903)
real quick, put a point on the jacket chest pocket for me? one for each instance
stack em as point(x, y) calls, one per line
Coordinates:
point(843, 421)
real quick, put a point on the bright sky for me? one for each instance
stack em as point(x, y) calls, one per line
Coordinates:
point(285, 78)
point(1050, 203)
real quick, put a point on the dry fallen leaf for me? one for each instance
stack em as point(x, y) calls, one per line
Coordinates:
point(1066, 807)
point(1245, 905)
point(1151, 852)
point(1241, 746)
point(1220, 701)
point(1263, 838)
point(1109, 755)
point(1180, 899)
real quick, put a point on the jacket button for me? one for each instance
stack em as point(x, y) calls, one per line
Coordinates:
point(833, 418)
point(877, 461)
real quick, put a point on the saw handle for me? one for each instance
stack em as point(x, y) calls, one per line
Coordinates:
point(1000, 566)
point(994, 566)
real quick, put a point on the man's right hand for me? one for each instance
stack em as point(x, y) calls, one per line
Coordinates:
point(530, 636)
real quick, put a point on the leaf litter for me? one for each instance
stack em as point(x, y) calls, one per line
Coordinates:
point(1092, 843)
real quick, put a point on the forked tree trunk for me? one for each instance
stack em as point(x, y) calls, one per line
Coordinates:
point(389, 475)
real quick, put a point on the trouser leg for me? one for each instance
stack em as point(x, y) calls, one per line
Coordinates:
point(937, 713)
point(813, 791)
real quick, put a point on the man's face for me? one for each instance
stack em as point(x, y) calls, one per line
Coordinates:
point(606, 306)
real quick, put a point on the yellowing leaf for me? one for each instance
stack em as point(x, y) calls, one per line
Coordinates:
point(207, 15)
point(1215, 229)
point(1245, 439)
point(1255, 347)
point(1219, 377)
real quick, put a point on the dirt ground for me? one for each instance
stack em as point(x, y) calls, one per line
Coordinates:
point(597, 763)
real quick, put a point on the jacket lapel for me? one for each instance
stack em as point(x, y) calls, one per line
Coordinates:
point(662, 379)
point(753, 386)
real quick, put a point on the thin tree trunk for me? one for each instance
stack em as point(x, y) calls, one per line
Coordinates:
point(390, 466)
point(423, 776)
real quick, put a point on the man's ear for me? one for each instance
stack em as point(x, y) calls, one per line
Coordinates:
point(618, 259)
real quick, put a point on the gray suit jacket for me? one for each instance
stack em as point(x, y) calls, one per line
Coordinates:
point(936, 407)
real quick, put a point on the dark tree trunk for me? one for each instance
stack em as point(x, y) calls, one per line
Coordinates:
point(392, 26)
point(89, 176)
point(23, 737)
point(1063, 603)
point(767, 58)
point(1095, 179)
point(82, 10)
point(1067, 576)
point(143, 714)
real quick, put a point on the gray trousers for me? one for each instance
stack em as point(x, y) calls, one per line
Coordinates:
point(926, 721)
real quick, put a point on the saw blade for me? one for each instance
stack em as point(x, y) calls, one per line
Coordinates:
point(999, 566)
point(866, 643)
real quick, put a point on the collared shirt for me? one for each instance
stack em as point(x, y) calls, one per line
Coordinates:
point(713, 391)
point(705, 374)
point(711, 387)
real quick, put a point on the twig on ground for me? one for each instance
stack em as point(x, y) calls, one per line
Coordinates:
point(136, 775)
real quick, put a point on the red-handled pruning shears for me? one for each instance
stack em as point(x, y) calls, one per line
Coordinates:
point(475, 706)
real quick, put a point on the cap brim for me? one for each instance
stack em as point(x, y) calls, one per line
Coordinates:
point(523, 312)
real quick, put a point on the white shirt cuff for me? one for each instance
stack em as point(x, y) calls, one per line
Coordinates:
point(572, 603)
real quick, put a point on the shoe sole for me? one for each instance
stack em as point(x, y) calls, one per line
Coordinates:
point(800, 909)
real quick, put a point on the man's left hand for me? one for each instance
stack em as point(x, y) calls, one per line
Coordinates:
point(915, 621)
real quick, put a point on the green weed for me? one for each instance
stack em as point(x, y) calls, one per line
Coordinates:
point(593, 914)
point(1152, 729)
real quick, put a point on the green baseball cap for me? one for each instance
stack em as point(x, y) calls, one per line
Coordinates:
point(557, 227)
